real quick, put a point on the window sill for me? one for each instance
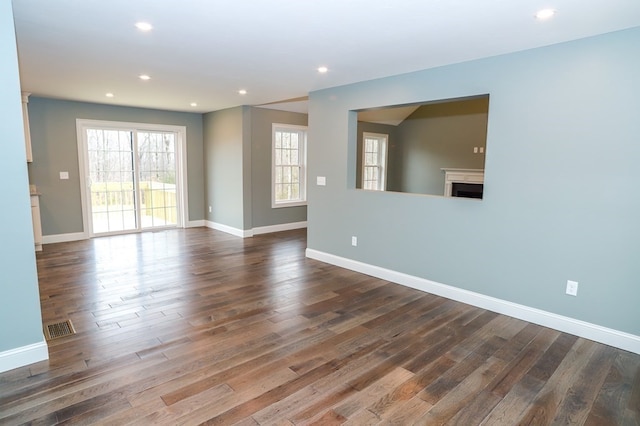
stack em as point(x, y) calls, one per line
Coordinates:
point(291, 204)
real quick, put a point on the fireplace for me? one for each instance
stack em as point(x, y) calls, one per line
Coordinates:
point(467, 190)
point(466, 183)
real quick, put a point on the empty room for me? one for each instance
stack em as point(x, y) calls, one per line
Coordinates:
point(331, 212)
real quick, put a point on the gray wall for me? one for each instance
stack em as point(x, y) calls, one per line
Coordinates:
point(227, 170)
point(436, 136)
point(54, 141)
point(238, 167)
point(261, 129)
point(20, 319)
point(561, 184)
point(220, 148)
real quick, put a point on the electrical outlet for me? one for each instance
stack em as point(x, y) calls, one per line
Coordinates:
point(354, 241)
point(572, 288)
point(209, 209)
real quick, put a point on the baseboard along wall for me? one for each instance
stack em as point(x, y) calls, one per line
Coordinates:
point(608, 336)
point(246, 233)
point(24, 355)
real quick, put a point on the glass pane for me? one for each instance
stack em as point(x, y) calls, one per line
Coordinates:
point(280, 194)
point(111, 190)
point(157, 179)
point(278, 138)
point(369, 159)
point(100, 222)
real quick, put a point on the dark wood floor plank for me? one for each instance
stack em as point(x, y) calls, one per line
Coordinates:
point(459, 386)
point(522, 362)
point(545, 407)
point(132, 415)
point(196, 326)
point(367, 396)
point(614, 396)
point(577, 402)
point(309, 395)
point(248, 408)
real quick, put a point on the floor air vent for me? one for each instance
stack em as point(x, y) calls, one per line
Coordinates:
point(59, 329)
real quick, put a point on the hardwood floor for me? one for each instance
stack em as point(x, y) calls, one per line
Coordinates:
point(196, 326)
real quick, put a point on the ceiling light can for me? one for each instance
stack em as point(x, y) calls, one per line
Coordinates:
point(144, 26)
point(545, 14)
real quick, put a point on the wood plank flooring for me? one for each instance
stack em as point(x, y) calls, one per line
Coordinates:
point(198, 327)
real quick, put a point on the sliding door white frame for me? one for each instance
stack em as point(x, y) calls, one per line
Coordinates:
point(181, 163)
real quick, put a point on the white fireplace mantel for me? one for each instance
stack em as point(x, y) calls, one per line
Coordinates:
point(452, 176)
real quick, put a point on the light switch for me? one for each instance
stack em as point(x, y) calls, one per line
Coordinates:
point(321, 180)
point(475, 149)
point(481, 149)
point(64, 175)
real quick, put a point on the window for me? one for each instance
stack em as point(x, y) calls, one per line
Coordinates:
point(289, 165)
point(374, 161)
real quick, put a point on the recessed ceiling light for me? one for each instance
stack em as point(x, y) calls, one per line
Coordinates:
point(144, 26)
point(193, 104)
point(109, 95)
point(545, 14)
point(144, 77)
point(322, 70)
point(242, 92)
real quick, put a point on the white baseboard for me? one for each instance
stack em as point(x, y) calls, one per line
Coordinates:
point(64, 238)
point(279, 228)
point(24, 355)
point(608, 336)
point(229, 229)
point(255, 231)
point(77, 236)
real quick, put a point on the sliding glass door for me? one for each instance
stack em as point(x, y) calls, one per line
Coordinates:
point(157, 182)
point(132, 179)
point(112, 190)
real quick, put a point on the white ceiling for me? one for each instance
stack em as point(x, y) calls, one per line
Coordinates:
point(205, 50)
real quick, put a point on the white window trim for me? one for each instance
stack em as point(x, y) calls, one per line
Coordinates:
point(303, 167)
point(181, 163)
point(383, 160)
